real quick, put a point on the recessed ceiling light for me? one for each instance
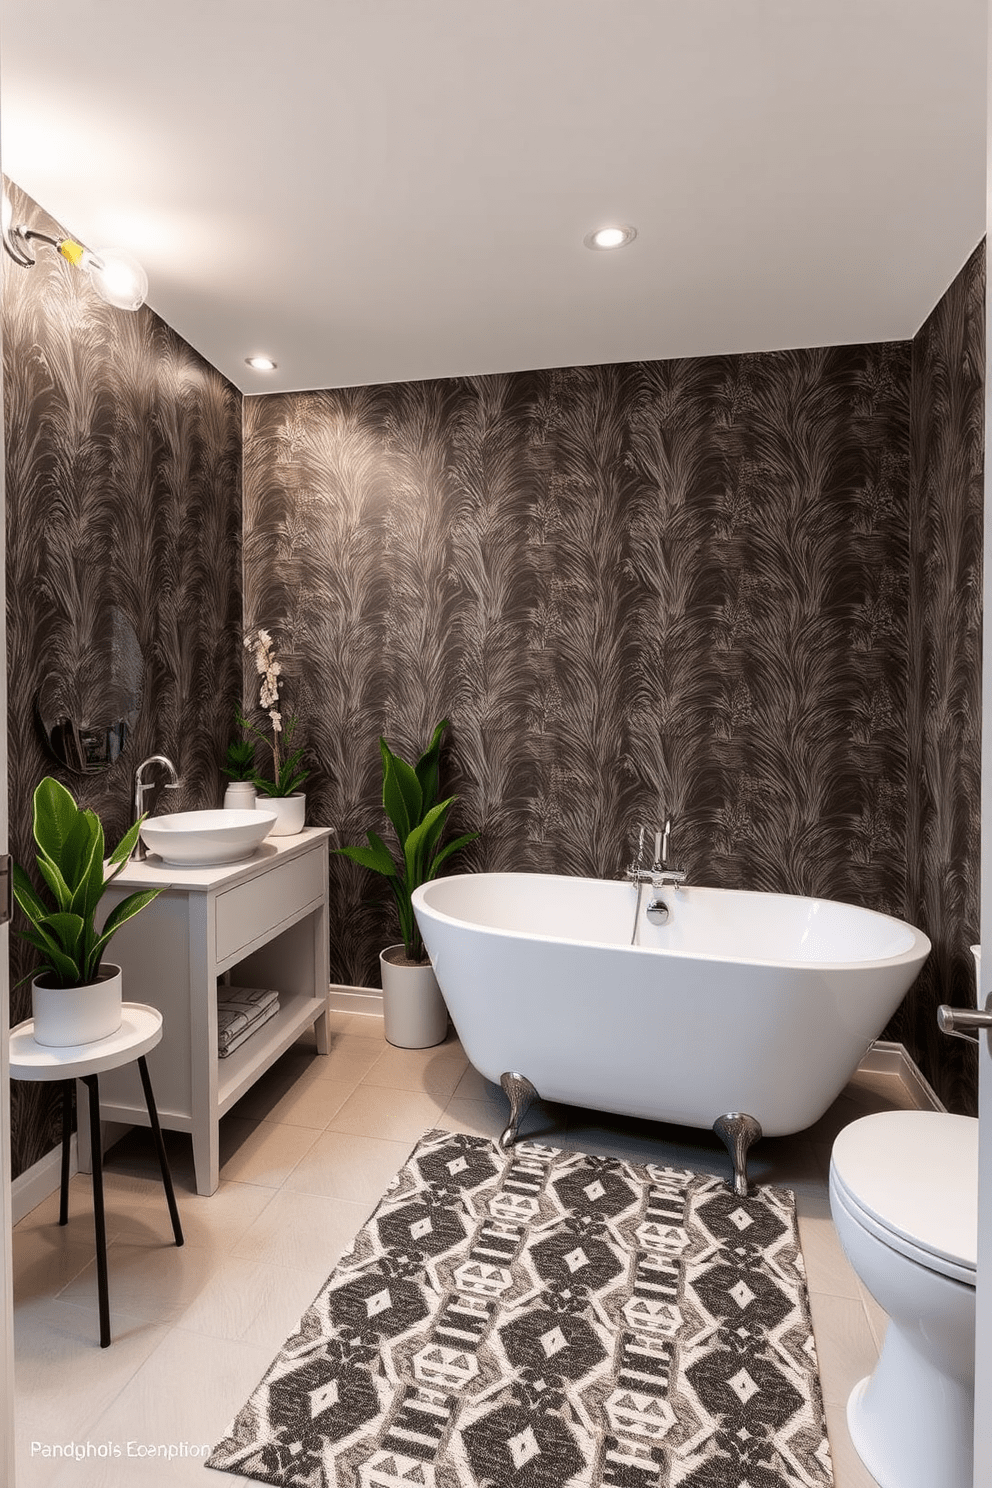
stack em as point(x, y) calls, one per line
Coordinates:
point(616, 235)
point(261, 363)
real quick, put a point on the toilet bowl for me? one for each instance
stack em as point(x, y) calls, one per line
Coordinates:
point(904, 1200)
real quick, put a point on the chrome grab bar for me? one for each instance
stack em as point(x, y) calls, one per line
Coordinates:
point(956, 1021)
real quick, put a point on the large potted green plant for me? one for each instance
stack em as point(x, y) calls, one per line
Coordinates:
point(414, 1011)
point(76, 995)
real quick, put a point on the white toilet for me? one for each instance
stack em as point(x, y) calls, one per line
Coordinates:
point(904, 1199)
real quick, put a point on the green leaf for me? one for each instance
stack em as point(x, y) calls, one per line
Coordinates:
point(428, 765)
point(70, 845)
point(60, 890)
point(88, 944)
point(27, 898)
point(126, 910)
point(56, 964)
point(290, 771)
point(449, 848)
point(124, 848)
point(289, 779)
point(64, 934)
point(377, 857)
point(292, 786)
point(55, 815)
point(66, 929)
point(409, 929)
point(240, 761)
point(36, 939)
point(76, 849)
point(402, 797)
point(85, 838)
point(90, 888)
point(420, 844)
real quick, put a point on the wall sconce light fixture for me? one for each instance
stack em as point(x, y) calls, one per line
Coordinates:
point(118, 278)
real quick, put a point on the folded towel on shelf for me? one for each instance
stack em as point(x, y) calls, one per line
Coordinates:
point(240, 1011)
point(246, 1033)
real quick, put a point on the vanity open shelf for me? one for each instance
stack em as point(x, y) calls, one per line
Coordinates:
point(264, 922)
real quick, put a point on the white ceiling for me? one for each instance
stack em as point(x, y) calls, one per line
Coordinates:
point(381, 190)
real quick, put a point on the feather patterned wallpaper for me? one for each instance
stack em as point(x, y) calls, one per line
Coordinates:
point(741, 589)
point(123, 484)
point(679, 585)
point(945, 660)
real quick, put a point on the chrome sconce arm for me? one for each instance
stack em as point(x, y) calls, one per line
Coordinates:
point(116, 277)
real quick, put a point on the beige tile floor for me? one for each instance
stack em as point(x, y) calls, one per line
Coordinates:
point(305, 1156)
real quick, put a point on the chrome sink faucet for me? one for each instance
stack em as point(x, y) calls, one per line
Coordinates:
point(141, 787)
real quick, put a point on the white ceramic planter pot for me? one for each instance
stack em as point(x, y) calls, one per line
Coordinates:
point(65, 1016)
point(240, 795)
point(290, 813)
point(414, 1013)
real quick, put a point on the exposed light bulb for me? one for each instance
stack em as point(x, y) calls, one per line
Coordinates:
point(614, 236)
point(261, 363)
point(118, 278)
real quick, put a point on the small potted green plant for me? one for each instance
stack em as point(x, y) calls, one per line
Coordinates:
point(282, 790)
point(76, 995)
point(413, 1008)
point(239, 767)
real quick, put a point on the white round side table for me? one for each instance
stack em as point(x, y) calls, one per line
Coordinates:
point(140, 1031)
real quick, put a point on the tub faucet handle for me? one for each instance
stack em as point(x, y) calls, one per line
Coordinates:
point(637, 873)
point(635, 862)
point(663, 875)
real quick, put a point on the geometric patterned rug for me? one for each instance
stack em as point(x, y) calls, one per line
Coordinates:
point(547, 1319)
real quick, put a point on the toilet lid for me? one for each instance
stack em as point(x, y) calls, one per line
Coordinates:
point(913, 1178)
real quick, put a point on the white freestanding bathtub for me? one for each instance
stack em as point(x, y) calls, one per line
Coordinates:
point(743, 1006)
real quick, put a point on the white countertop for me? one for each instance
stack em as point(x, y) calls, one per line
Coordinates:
point(152, 873)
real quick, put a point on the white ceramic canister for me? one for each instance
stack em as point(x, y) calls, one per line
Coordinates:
point(240, 795)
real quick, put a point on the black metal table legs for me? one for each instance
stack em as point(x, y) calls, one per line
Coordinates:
point(99, 1221)
point(99, 1218)
point(163, 1161)
point(67, 1089)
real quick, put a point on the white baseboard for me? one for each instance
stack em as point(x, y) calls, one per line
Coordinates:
point(344, 999)
point(34, 1185)
point(886, 1058)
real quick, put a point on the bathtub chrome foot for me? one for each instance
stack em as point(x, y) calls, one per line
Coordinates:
point(519, 1092)
point(737, 1130)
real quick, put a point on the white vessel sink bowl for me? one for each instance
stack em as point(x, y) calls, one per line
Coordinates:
point(199, 839)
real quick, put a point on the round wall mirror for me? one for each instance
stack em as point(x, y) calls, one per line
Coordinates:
point(88, 709)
